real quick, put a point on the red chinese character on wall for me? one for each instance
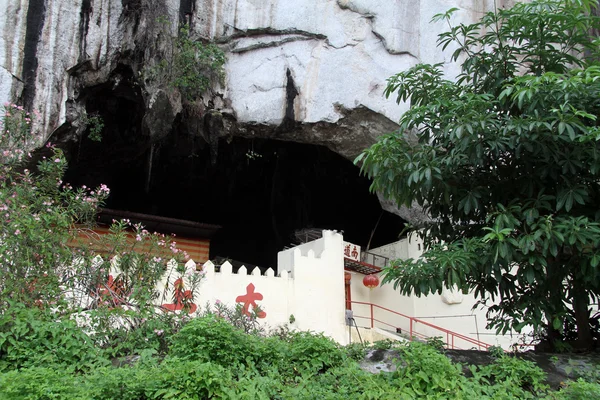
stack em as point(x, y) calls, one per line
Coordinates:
point(347, 250)
point(112, 292)
point(181, 298)
point(355, 253)
point(249, 299)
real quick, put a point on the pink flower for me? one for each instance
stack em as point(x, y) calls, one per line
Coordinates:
point(138, 238)
point(57, 160)
point(17, 232)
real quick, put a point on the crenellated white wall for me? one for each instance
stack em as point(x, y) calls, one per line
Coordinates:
point(309, 285)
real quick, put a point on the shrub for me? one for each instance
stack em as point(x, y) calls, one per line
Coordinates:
point(356, 351)
point(213, 339)
point(142, 331)
point(311, 353)
point(517, 373)
point(423, 371)
point(577, 390)
point(173, 379)
point(347, 381)
point(40, 383)
point(30, 337)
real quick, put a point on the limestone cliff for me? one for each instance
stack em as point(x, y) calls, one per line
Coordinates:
point(306, 70)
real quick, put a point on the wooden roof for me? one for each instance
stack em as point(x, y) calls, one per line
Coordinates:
point(166, 225)
point(361, 267)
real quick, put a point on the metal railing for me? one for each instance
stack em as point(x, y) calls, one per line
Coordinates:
point(374, 259)
point(416, 328)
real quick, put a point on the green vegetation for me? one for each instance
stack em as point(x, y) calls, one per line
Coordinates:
point(191, 66)
point(120, 346)
point(71, 330)
point(95, 125)
point(506, 162)
point(42, 357)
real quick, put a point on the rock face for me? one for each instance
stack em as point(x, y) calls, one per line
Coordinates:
point(310, 71)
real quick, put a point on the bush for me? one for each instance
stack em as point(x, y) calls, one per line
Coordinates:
point(138, 331)
point(423, 371)
point(577, 390)
point(174, 379)
point(356, 351)
point(517, 372)
point(40, 383)
point(213, 339)
point(508, 378)
point(313, 353)
point(30, 337)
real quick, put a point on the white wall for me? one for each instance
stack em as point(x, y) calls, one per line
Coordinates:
point(452, 310)
point(309, 286)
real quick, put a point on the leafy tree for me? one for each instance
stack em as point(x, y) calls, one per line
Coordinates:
point(506, 162)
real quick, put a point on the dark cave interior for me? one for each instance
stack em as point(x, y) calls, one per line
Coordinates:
point(260, 191)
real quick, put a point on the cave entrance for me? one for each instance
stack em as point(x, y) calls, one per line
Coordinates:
point(260, 191)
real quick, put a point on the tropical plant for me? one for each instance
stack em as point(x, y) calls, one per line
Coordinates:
point(191, 67)
point(506, 162)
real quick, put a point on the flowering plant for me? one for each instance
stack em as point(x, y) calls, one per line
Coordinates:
point(15, 127)
point(49, 256)
point(38, 215)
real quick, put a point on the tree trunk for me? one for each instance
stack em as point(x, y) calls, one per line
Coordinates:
point(555, 298)
point(582, 316)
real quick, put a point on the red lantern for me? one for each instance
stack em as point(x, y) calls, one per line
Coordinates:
point(371, 281)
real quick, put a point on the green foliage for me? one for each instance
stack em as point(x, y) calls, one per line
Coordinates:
point(38, 214)
point(356, 351)
point(236, 316)
point(15, 125)
point(40, 383)
point(577, 390)
point(383, 344)
point(30, 337)
point(515, 373)
point(95, 125)
point(213, 339)
point(138, 331)
point(344, 382)
point(506, 162)
point(192, 66)
point(496, 351)
point(313, 353)
point(44, 365)
point(423, 372)
point(436, 342)
point(169, 380)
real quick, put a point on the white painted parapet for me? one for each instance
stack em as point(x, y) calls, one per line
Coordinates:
point(317, 299)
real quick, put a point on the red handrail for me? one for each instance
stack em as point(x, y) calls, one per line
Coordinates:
point(450, 335)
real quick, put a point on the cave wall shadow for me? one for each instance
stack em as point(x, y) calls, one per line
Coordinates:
point(259, 190)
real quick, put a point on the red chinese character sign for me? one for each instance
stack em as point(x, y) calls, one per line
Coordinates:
point(249, 299)
point(351, 251)
point(112, 293)
point(181, 298)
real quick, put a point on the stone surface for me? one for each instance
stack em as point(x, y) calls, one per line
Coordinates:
point(311, 71)
point(377, 361)
point(558, 367)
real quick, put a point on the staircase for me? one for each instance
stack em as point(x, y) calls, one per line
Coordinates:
point(397, 326)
